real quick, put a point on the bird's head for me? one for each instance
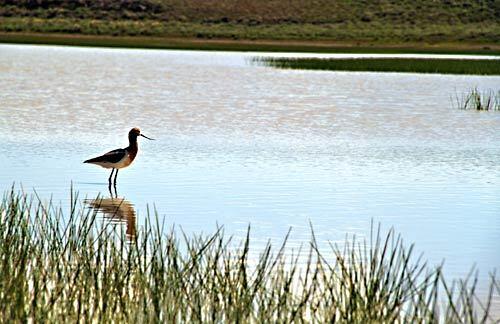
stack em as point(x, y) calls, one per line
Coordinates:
point(134, 133)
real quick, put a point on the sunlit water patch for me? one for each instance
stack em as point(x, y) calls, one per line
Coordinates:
point(239, 144)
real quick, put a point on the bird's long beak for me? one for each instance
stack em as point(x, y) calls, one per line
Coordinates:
point(151, 139)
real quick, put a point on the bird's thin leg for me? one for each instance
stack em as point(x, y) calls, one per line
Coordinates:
point(109, 181)
point(110, 176)
point(116, 175)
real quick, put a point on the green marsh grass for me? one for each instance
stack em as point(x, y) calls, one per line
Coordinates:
point(72, 266)
point(368, 33)
point(412, 65)
point(194, 42)
point(474, 99)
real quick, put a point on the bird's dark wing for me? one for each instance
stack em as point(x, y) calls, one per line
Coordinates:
point(111, 157)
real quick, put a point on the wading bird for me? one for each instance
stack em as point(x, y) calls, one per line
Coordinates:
point(120, 158)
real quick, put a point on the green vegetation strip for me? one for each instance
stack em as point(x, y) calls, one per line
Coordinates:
point(366, 33)
point(78, 267)
point(424, 21)
point(444, 66)
point(187, 43)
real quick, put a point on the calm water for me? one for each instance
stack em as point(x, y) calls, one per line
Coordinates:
point(239, 144)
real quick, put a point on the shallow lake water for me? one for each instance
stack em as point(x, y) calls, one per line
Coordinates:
point(240, 144)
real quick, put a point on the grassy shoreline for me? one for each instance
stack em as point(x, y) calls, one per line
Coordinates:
point(190, 43)
point(78, 267)
point(462, 26)
point(409, 65)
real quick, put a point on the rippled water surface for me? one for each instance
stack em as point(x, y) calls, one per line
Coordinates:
point(238, 143)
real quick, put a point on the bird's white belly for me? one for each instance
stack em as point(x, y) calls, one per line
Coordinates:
point(123, 163)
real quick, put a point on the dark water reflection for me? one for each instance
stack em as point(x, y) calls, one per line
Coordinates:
point(115, 210)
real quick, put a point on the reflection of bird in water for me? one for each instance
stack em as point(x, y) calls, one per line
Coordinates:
point(116, 210)
point(120, 158)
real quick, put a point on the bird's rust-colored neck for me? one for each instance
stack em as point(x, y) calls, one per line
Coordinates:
point(133, 147)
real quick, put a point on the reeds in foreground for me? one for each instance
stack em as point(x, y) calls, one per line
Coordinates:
point(73, 267)
point(476, 100)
